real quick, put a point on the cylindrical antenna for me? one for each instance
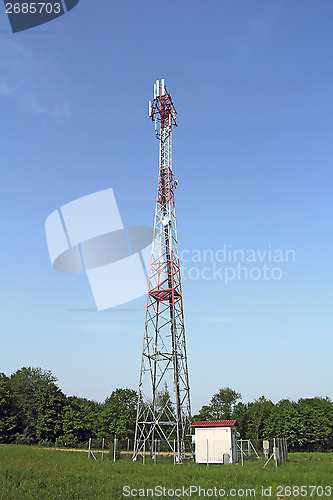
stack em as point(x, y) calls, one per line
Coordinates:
point(150, 109)
point(163, 87)
point(157, 88)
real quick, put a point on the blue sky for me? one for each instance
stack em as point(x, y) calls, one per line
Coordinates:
point(252, 84)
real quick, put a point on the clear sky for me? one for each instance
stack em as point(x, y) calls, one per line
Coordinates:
point(252, 84)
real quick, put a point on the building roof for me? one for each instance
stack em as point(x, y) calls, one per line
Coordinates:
point(215, 423)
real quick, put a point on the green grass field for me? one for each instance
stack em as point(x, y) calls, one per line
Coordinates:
point(29, 472)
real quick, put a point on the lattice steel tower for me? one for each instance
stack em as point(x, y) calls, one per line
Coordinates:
point(164, 409)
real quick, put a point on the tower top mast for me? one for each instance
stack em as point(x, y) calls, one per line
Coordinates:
point(162, 110)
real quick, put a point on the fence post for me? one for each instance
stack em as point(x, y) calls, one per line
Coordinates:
point(103, 449)
point(144, 452)
point(242, 452)
point(114, 449)
point(275, 453)
point(90, 452)
point(207, 451)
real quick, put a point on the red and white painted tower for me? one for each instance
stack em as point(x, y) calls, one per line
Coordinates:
point(164, 409)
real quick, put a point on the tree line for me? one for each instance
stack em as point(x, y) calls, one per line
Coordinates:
point(34, 410)
point(306, 424)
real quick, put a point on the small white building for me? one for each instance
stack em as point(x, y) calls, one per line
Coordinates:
point(215, 442)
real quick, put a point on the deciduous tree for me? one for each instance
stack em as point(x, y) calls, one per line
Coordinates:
point(221, 405)
point(119, 414)
point(9, 413)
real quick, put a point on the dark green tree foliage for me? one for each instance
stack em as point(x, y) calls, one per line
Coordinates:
point(258, 412)
point(119, 414)
point(307, 424)
point(284, 421)
point(221, 405)
point(34, 410)
point(317, 416)
point(242, 415)
point(9, 413)
point(28, 385)
point(163, 408)
point(81, 420)
point(49, 405)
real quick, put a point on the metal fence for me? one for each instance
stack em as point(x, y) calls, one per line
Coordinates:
point(280, 452)
point(122, 449)
point(246, 450)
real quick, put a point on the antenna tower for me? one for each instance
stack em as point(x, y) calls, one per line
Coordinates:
point(164, 410)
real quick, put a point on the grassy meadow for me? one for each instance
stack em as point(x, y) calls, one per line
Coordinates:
point(38, 473)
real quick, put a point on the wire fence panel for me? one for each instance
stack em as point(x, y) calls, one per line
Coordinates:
point(206, 451)
point(123, 449)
